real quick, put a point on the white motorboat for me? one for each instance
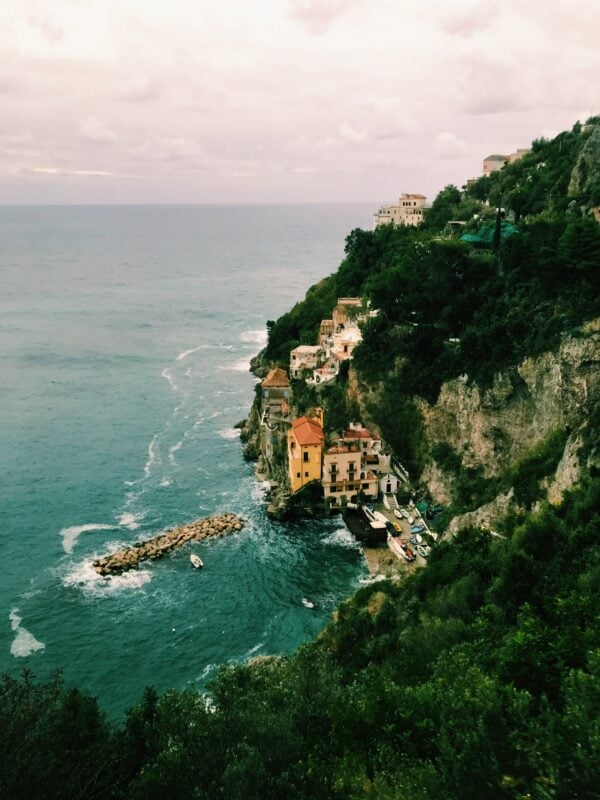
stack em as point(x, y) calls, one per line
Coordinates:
point(196, 561)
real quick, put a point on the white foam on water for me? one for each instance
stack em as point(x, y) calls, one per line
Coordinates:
point(206, 671)
point(189, 352)
point(129, 520)
point(85, 577)
point(166, 482)
point(166, 373)
point(241, 365)
point(372, 579)
point(188, 372)
point(71, 534)
point(173, 450)
point(152, 456)
point(307, 603)
point(24, 643)
point(254, 337)
point(253, 650)
point(229, 433)
point(342, 538)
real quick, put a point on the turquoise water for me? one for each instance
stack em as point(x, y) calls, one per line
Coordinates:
point(125, 337)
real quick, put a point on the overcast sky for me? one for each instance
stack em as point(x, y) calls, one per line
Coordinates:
point(183, 101)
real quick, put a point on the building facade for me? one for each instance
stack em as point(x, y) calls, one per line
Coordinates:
point(305, 450)
point(306, 356)
point(408, 211)
point(344, 477)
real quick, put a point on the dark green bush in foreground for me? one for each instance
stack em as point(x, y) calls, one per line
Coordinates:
point(476, 678)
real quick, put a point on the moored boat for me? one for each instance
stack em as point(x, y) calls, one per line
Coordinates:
point(196, 561)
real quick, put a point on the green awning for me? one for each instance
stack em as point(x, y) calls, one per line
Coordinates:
point(485, 234)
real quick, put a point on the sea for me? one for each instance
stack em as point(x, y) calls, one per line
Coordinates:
point(125, 340)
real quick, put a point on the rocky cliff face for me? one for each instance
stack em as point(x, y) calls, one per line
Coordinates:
point(492, 428)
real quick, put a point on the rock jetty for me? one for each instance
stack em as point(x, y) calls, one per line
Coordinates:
point(152, 549)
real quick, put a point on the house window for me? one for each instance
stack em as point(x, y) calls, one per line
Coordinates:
point(306, 474)
point(365, 486)
point(298, 475)
point(333, 489)
point(305, 456)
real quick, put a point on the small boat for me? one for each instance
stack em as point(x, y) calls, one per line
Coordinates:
point(196, 561)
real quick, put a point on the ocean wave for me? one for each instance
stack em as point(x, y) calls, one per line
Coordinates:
point(24, 643)
point(371, 579)
point(229, 433)
point(241, 365)
point(307, 603)
point(189, 352)
point(255, 337)
point(72, 533)
point(152, 456)
point(129, 520)
point(173, 450)
point(342, 538)
point(166, 482)
point(166, 373)
point(85, 577)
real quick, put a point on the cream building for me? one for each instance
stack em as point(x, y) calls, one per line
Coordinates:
point(306, 356)
point(408, 211)
point(343, 476)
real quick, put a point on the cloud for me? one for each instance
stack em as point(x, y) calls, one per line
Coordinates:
point(166, 148)
point(95, 130)
point(318, 15)
point(449, 146)
point(350, 134)
point(49, 28)
point(389, 118)
point(471, 21)
point(140, 90)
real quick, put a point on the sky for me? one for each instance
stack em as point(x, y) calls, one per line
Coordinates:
point(281, 101)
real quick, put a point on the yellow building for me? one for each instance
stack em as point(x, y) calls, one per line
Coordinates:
point(305, 450)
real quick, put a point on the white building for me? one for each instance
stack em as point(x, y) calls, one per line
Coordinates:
point(408, 211)
point(306, 356)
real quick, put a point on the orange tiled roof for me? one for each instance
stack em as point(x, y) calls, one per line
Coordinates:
point(276, 377)
point(417, 196)
point(307, 431)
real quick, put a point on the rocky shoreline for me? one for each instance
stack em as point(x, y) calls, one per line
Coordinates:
point(164, 543)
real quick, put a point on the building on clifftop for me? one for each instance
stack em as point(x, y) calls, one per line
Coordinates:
point(305, 450)
point(408, 211)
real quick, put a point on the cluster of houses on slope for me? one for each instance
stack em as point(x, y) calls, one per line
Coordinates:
point(355, 463)
point(410, 208)
point(338, 338)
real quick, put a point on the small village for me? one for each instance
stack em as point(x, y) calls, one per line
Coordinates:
point(351, 471)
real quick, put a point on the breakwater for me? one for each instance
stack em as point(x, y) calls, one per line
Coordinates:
point(164, 543)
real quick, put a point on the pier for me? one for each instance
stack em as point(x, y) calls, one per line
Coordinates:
point(164, 543)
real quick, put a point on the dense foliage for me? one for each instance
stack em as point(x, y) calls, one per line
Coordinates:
point(448, 308)
point(475, 678)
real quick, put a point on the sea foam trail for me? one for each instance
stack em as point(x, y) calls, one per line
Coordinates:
point(254, 337)
point(229, 433)
point(24, 643)
point(129, 520)
point(192, 350)
point(173, 450)
point(166, 374)
point(343, 538)
point(241, 365)
point(152, 456)
point(71, 534)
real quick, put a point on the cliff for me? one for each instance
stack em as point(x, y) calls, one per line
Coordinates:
point(493, 430)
